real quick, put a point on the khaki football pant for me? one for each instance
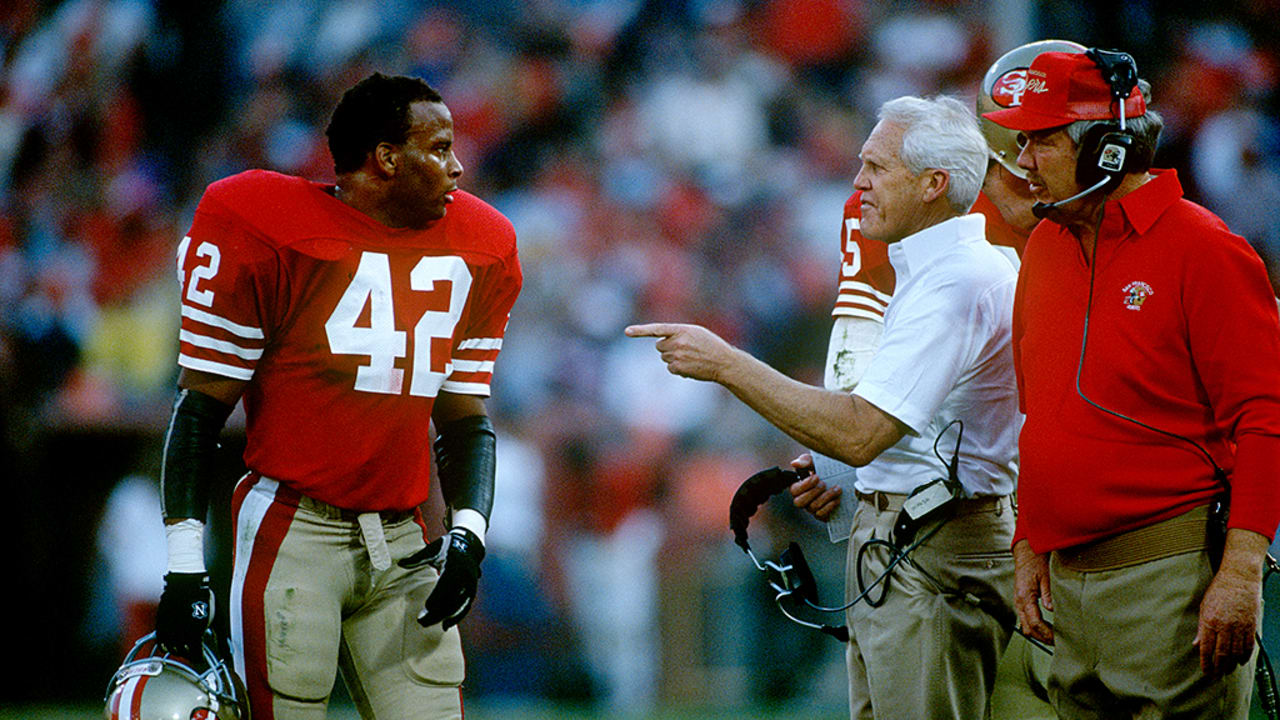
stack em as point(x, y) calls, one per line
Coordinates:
point(306, 601)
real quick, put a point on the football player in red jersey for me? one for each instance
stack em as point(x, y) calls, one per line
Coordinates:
point(348, 318)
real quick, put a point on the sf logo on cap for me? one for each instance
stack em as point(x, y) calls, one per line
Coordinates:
point(1007, 91)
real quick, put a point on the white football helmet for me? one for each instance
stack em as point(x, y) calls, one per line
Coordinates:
point(1002, 87)
point(160, 686)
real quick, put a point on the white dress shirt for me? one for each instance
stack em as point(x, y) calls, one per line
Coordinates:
point(945, 355)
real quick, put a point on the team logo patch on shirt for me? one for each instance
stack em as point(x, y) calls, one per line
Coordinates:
point(1136, 293)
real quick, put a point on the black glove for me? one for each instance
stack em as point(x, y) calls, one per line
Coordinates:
point(186, 609)
point(457, 556)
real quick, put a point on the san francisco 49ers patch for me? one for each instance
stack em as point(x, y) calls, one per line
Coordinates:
point(1136, 293)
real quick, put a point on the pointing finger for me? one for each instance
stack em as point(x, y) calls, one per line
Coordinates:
point(652, 330)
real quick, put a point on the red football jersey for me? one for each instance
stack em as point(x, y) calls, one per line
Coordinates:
point(345, 329)
point(867, 278)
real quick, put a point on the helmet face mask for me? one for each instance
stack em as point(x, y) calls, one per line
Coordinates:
point(1002, 87)
point(156, 686)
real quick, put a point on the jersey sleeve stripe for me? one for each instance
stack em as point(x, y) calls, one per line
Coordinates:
point(861, 287)
point(217, 368)
point(472, 366)
point(221, 346)
point(200, 316)
point(848, 311)
point(863, 300)
point(465, 388)
point(481, 344)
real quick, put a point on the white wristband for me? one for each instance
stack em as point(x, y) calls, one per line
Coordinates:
point(472, 520)
point(186, 546)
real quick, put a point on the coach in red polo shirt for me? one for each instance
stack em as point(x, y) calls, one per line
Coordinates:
point(1147, 348)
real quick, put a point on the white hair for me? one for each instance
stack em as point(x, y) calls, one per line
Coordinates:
point(941, 133)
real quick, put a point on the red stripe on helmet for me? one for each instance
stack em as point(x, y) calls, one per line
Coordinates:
point(135, 707)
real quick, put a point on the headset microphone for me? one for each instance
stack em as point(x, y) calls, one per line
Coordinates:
point(1042, 210)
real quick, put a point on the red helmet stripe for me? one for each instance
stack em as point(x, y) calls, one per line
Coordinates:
point(135, 706)
point(115, 705)
point(128, 696)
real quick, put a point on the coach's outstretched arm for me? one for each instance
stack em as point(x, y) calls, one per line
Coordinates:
point(834, 423)
point(203, 404)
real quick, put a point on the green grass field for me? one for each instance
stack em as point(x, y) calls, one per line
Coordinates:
point(483, 711)
point(480, 711)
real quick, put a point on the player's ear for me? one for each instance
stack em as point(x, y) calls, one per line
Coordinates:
point(934, 183)
point(385, 159)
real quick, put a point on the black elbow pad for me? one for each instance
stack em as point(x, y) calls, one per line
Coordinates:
point(465, 450)
point(190, 454)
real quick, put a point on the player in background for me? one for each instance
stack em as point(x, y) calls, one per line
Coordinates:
point(348, 318)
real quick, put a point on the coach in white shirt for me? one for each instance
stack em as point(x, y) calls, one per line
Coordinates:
point(930, 649)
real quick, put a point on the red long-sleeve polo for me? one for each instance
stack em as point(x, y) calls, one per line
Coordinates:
point(1183, 336)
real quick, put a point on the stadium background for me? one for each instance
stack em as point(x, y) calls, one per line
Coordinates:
point(661, 160)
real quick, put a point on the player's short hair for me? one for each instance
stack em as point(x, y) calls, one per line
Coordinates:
point(374, 110)
point(941, 133)
point(1145, 127)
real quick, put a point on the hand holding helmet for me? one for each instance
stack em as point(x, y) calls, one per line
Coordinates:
point(184, 614)
point(159, 685)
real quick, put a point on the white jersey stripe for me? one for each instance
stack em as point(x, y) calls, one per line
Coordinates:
point(858, 286)
point(244, 331)
point(861, 301)
point(217, 368)
point(473, 366)
point(481, 344)
point(844, 311)
point(220, 345)
point(465, 388)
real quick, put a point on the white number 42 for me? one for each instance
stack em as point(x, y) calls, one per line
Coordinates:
point(380, 340)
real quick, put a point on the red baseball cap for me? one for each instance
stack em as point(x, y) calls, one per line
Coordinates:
point(1063, 88)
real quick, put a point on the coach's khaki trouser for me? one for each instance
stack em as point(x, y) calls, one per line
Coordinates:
point(931, 649)
point(1022, 677)
point(1123, 644)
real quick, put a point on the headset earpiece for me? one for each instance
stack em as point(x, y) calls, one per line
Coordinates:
point(1108, 152)
point(1111, 151)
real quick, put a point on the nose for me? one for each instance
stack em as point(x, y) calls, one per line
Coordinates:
point(455, 166)
point(860, 181)
point(1025, 159)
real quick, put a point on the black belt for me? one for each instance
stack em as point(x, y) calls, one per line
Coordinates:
point(892, 502)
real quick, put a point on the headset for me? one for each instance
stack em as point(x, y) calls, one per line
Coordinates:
point(1107, 152)
point(931, 503)
point(795, 580)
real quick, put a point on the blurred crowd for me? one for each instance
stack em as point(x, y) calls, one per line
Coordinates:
point(674, 160)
